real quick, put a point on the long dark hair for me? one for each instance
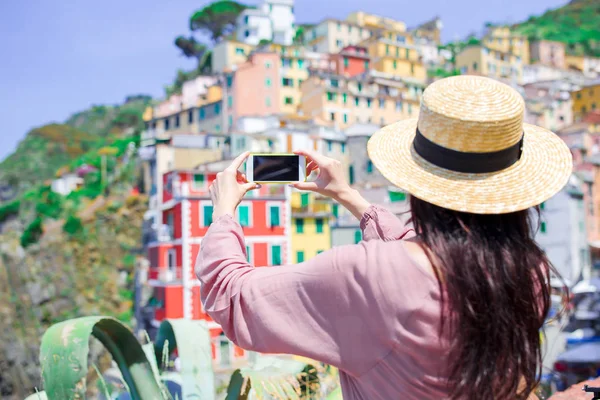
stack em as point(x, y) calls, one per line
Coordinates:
point(493, 280)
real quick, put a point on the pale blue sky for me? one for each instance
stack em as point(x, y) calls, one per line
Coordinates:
point(61, 56)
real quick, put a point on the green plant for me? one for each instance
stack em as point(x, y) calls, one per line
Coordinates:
point(217, 19)
point(32, 233)
point(73, 225)
point(9, 209)
point(64, 358)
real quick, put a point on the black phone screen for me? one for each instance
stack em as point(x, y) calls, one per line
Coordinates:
point(276, 168)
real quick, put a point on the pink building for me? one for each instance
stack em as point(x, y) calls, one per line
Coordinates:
point(170, 106)
point(256, 86)
point(548, 53)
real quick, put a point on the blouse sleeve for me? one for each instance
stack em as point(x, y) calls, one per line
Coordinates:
point(380, 224)
point(325, 309)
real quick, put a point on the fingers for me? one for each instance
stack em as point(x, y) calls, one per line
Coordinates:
point(316, 157)
point(250, 186)
point(312, 186)
point(241, 177)
point(237, 163)
point(311, 167)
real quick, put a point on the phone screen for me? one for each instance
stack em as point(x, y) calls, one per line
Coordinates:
point(274, 168)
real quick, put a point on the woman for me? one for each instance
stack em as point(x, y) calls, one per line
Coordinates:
point(450, 308)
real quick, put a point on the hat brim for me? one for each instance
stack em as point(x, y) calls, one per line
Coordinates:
point(542, 171)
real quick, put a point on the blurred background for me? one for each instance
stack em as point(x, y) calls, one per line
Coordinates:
point(118, 115)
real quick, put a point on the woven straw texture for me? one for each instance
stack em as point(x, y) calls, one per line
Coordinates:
point(473, 114)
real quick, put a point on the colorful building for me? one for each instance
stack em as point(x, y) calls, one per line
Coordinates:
point(586, 99)
point(547, 52)
point(331, 35)
point(376, 22)
point(310, 233)
point(186, 215)
point(342, 101)
point(430, 30)
point(548, 104)
point(589, 66)
point(501, 39)
point(228, 53)
point(351, 61)
point(395, 54)
point(272, 21)
point(481, 60)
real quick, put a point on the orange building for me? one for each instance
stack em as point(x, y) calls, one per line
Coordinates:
point(352, 61)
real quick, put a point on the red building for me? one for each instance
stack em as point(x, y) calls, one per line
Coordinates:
point(352, 61)
point(186, 214)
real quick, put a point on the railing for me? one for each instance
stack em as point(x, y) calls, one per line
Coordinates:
point(166, 274)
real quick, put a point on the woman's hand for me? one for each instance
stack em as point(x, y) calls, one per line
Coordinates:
point(331, 182)
point(228, 190)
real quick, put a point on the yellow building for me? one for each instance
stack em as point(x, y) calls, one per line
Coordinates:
point(585, 100)
point(332, 35)
point(294, 71)
point(229, 53)
point(311, 234)
point(343, 101)
point(480, 60)
point(501, 39)
point(375, 21)
point(395, 54)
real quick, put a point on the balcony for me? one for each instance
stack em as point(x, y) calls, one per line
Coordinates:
point(165, 275)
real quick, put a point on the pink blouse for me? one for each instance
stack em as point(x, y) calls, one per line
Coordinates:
point(367, 308)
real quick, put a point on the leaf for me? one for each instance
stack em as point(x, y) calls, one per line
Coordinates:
point(64, 353)
point(192, 340)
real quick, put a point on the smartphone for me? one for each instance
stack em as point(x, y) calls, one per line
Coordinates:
point(275, 168)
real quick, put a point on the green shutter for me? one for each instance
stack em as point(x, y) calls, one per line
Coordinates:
point(299, 225)
point(274, 213)
point(396, 196)
point(299, 256)
point(208, 212)
point(198, 181)
point(335, 210)
point(543, 227)
point(244, 213)
point(357, 236)
point(319, 222)
point(276, 255)
point(304, 200)
point(542, 206)
point(248, 255)
point(369, 166)
point(351, 174)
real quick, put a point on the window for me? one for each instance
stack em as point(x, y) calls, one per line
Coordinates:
point(398, 106)
point(329, 145)
point(474, 66)
point(286, 62)
point(339, 43)
point(207, 212)
point(407, 54)
point(359, 85)
point(268, 82)
point(543, 227)
point(369, 167)
point(397, 51)
point(217, 128)
point(356, 101)
point(335, 83)
point(249, 254)
point(299, 256)
point(369, 101)
point(247, 33)
point(230, 101)
point(299, 225)
point(412, 68)
point(339, 27)
point(410, 109)
point(304, 200)
point(244, 215)
point(201, 114)
point(229, 80)
point(366, 64)
point(274, 216)
point(345, 121)
point(542, 206)
point(198, 182)
point(387, 49)
point(593, 106)
point(335, 209)
point(349, 28)
point(299, 82)
point(397, 196)
point(319, 251)
point(268, 101)
point(267, 64)
point(346, 62)
point(167, 124)
point(246, 19)
point(217, 108)
point(319, 223)
point(190, 117)
point(381, 103)
point(345, 98)
point(351, 174)
point(357, 236)
point(276, 254)
point(330, 96)
point(395, 64)
point(300, 64)
point(288, 82)
point(240, 51)
point(288, 100)
point(343, 145)
point(382, 121)
point(332, 116)
point(172, 259)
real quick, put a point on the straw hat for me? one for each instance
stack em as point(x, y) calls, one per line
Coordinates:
point(470, 151)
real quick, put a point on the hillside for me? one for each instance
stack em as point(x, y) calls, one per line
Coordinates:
point(577, 24)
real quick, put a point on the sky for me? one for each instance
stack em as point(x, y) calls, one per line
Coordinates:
point(62, 56)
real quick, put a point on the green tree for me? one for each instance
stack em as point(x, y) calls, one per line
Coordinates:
point(191, 48)
point(217, 19)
